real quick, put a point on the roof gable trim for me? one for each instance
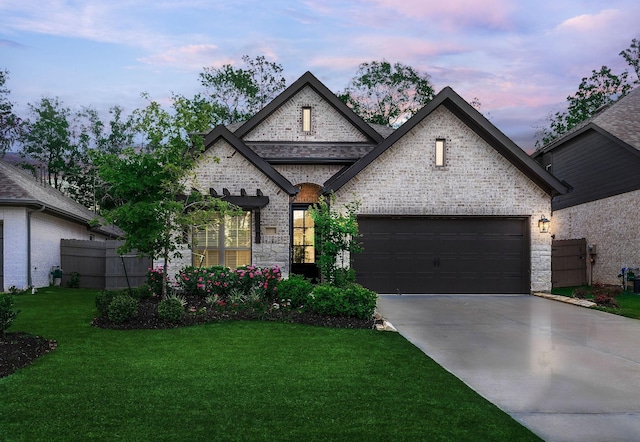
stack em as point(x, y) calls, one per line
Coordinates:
point(308, 79)
point(250, 155)
point(474, 120)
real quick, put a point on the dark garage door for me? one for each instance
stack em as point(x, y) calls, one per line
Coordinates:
point(444, 255)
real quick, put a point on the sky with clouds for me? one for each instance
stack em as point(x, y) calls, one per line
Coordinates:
point(520, 58)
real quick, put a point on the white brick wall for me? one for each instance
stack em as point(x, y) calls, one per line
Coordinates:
point(15, 247)
point(612, 224)
point(300, 174)
point(476, 180)
point(234, 172)
point(285, 124)
point(46, 233)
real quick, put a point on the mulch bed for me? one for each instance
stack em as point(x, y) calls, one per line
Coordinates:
point(20, 349)
point(147, 317)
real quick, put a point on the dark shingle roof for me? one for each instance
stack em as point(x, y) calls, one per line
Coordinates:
point(620, 119)
point(20, 188)
point(301, 153)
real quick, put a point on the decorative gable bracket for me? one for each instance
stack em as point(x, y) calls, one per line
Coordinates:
point(247, 202)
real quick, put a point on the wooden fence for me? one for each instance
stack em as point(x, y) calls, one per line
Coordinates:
point(569, 262)
point(100, 266)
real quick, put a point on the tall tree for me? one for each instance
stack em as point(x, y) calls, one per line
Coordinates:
point(9, 122)
point(238, 93)
point(147, 193)
point(600, 89)
point(632, 57)
point(90, 133)
point(46, 138)
point(382, 93)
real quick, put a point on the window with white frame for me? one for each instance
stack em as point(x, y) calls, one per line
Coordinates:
point(440, 150)
point(306, 119)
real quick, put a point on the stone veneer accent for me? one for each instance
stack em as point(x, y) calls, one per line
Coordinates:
point(609, 223)
point(285, 124)
point(475, 181)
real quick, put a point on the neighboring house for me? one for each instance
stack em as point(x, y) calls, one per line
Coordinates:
point(34, 217)
point(448, 204)
point(600, 160)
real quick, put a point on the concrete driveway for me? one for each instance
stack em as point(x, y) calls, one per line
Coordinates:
point(568, 373)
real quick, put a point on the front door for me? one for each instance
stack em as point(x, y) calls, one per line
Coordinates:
point(303, 249)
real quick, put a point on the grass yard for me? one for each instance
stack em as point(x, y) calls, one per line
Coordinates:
point(232, 381)
point(628, 303)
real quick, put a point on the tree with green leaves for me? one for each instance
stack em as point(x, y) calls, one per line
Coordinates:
point(90, 133)
point(146, 191)
point(60, 140)
point(387, 94)
point(238, 93)
point(336, 233)
point(9, 122)
point(600, 89)
point(46, 138)
point(632, 57)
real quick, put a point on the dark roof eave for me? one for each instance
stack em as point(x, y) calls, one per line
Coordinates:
point(224, 133)
point(312, 161)
point(35, 205)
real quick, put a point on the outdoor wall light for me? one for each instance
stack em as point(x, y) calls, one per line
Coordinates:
point(544, 224)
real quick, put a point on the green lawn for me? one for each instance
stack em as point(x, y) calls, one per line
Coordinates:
point(628, 303)
point(232, 381)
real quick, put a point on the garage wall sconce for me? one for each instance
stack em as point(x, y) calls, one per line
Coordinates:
point(544, 224)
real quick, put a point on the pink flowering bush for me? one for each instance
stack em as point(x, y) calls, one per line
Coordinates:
point(222, 281)
point(154, 280)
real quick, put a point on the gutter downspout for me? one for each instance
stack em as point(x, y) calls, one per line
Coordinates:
point(29, 212)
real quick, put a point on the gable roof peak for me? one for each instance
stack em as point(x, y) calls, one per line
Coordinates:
point(475, 121)
point(308, 79)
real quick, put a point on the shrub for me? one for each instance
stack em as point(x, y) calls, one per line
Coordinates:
point(606, 300)
point(250, 281)
point(103, 300)
point(74, 280)
point(580, 293)
point(122, 308)
point(352, 300)
point(142, 292)
point(7, 313)
point(361, 302)
point(170, 310)
point(154, 280)
point(296, 290)
point(204, 281)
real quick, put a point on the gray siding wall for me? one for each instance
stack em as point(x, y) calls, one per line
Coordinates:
point(595, 166)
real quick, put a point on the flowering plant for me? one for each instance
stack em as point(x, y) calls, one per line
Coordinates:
point(154, 280)
point(247, 281)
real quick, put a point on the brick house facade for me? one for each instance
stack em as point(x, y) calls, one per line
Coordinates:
point(470, 222)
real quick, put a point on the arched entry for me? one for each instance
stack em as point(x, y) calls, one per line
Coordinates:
point(303, 249)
